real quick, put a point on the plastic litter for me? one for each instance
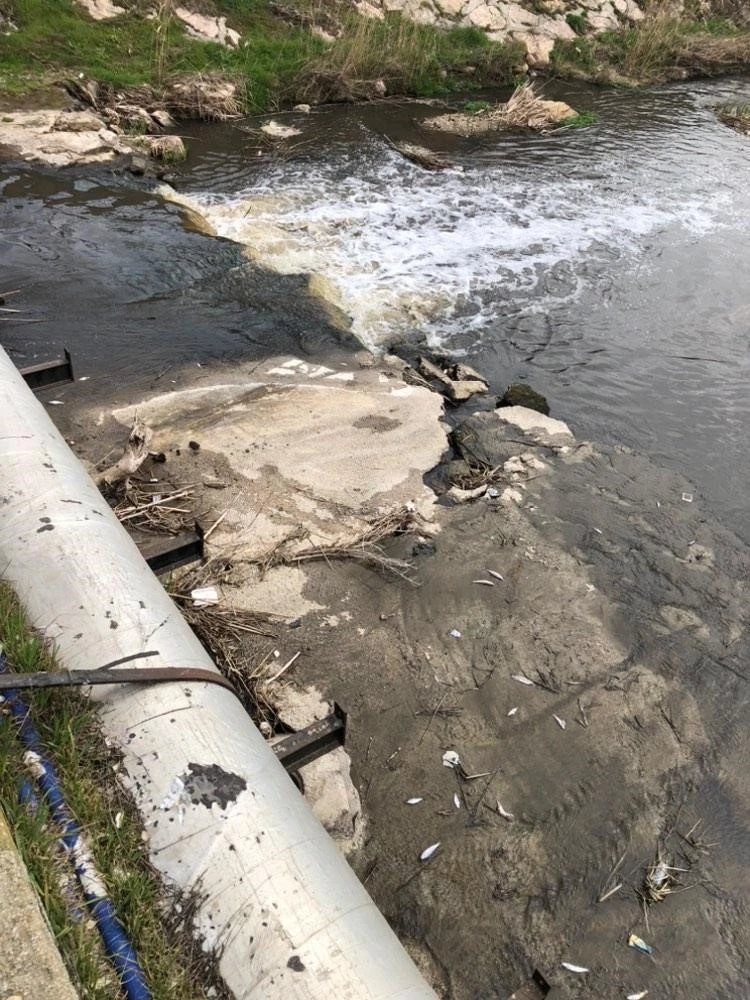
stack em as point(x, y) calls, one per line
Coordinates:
point(639, 944)
point(561, 722)
point(493, 493)
point(573, 968)
point(451, 759)
point(687, 497)
point(203, 596)
point(429, 851)
point(455, 633)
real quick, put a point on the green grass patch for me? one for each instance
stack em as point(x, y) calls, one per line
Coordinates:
point(72, 739)
point(582, 120)
point(736, 116)
point(474, 107)
point(578, 22)
point(659, 48)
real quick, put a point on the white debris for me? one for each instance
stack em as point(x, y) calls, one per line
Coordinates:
point(451, 759)
point(573, 968)
point(522, 679)
point(687, 497)
point(203, 596)
point(637, 996)
point(503, 812)
point(277, 131)
point(456, 800)
point(561, 722)
point(455, 633)
point(513, 710)
point(429, 851)
point(413, 802)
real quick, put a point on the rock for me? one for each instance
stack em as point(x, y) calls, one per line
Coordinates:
point(327, 782)
point(162, 118)
point(542, 429)
point(483, 440)
point(168, 148)
point(277, 131)
point(366, 9)
point(303, 109)
point(450, 8)
point(77, 121)
point(432, 372)
point(459, 392)
point(465, 373)
point(457, 495)
point(520, 394)
point(138, 165)
point(538, 48)
point(133, 116)
point(101, 10)
point(208, 29)
point(489, 18)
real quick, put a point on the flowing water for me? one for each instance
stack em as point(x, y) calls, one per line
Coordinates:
point(609, 268)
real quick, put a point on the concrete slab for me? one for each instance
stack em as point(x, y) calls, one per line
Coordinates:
point(30, 964)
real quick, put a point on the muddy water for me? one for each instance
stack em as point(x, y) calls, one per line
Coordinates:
point(609, 268)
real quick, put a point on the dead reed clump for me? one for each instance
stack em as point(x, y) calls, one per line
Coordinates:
point(524, 109)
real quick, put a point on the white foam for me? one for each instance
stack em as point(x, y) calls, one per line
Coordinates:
point(437, 253)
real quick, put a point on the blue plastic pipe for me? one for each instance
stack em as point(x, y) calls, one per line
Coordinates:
point(116, 942)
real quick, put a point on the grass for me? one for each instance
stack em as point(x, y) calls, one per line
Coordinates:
point(71, 735)
point(276, 63)
point(736, 116)
point(474, 107)
point(410, 58)
point(659, 48)
point(582, 120)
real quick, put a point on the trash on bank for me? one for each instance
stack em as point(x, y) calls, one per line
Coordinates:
point(573, 968)
point(522, 679)
point(503, 812)
point(451, 759)
point(413, 802)
point(639, 944)
point(561, 722)
point(203, 596)
point(637, 996)
point(429, 851)
point(687, 497)
point(513, 711)
point(455, 633)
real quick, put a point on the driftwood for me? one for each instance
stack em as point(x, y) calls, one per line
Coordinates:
point(422, 156)
point(134, 455)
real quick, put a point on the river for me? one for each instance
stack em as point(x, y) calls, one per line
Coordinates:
point(608, 267)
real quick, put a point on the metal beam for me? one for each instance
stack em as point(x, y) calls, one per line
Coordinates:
point(313, 741)
point(49, 373)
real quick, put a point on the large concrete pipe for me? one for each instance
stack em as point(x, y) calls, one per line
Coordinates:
point(277, 899)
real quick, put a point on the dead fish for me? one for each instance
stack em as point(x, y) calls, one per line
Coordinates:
point(413, 802)
point(637, 996)
point(496, 575)
point(428, 852)
point(522, 679)
point(503, 812)
point(487, 583)
point(573, 968)
point(639, 944)
point(598, 531)
point(513, 711)
point(561, 722)
point(456, 800)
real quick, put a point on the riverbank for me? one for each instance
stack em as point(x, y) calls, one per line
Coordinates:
point(573, 634)
point(266, 56)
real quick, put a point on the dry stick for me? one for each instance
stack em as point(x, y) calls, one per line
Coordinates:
point(487, 784)
point(215, 525)
point(283, 670)
point(432, 717)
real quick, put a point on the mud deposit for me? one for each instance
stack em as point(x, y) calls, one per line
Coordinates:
point(618, 595)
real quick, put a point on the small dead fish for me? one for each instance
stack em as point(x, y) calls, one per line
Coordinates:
point(428, 852)
point(573, 968)
point(637, 996)
point(496, 575)
point(487, 583)
point(456, 800)
point(503, 812)
point(561, 722)
point(413, 802)
point(55, 402)
point(522, 679)
point(639, 944)
point(513, 711)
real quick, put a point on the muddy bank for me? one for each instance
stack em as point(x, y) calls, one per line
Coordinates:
point(619, 599)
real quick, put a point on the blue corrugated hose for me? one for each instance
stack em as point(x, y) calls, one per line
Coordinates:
point(117, 945)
